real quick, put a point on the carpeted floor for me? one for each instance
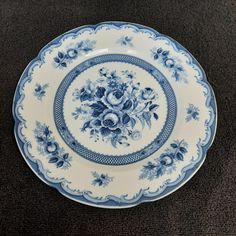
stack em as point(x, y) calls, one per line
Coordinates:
point(206, 205)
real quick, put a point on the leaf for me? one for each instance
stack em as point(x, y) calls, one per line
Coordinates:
point(147, 118)
point(60, 164)
point(150, 166)
point(176, 74)
point(147, 115)
point(142, 121)
point(105, 131)
point(84, 96)
point(180, 156)
point(85, 126)
point(174, 145)
point(128, 39)
point(159, 172)
point(125, 119)
point(117, 131)
point(63, 64)
point(135, 104)
point(40, 139)
point(100, 183)
point(127, 105)
point(153, 107)
point(99, 106)
point(132, 122)
point(125, 144)
point(53, 160)
point(96, 113)
point(165, 53)
point(97, 122)
point(60, 55)
point(65, 156)
point(180, 68)
point(183, 149)
point(155, 56)
point(195, 114)
point(79, 45)
point(56, 59)
point(100, 92)
point(46, 131)
point(155, 116)
point(114, 141)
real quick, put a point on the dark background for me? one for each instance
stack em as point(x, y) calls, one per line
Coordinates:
point(206, 205)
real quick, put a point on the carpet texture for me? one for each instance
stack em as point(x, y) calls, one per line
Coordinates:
point(206, 205)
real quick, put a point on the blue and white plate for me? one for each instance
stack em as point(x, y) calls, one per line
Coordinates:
point(114, 114)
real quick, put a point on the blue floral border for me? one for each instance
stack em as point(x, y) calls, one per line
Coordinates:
point(119, 159)
point(112, 201)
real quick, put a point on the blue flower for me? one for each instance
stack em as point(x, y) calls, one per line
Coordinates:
point(100, 92)
point(111, 119)
point(72, 53)
point(114, 97)
point(87, 92)
point(129, 74)
point(169, 62)
point(115, 105)
point(123, 86)
point(114, 76)
point(101, 179)
point(125, 41)
point(192, 113)
point(148, 94)
point(136, 135)
point(112, 84)
point(166, 159)
point(40, 91)
point(103, 72)
point(51, 147)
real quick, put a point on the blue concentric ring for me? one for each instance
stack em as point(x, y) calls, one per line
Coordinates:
point(115, 159)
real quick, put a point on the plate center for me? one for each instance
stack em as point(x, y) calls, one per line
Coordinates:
point(115, 108)
point(115, 111)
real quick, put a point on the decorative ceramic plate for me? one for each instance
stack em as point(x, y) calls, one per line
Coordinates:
point(113, 115)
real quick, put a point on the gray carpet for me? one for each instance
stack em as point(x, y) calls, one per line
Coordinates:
point(206, 205)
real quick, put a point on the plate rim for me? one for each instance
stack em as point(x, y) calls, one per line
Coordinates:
point(36, 166)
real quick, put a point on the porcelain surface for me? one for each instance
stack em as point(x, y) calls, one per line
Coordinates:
point(114, 114)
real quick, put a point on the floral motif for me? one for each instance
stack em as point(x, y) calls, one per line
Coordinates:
point(166, 163)
point(125, 41)
point(113, 105)
point(49, 147)
point(192, 113)
point(164, 57)
point(101, 179)
point(40, 91)
point(83, 47)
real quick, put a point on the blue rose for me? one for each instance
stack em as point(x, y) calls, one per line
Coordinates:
point(147, 94)
point(169, 62)
point(72, 53)
point(111, 119)
point(114, 97)
point(166, 159)
point(51, 147)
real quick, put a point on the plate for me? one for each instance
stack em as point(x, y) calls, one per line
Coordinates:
point(114, 114)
